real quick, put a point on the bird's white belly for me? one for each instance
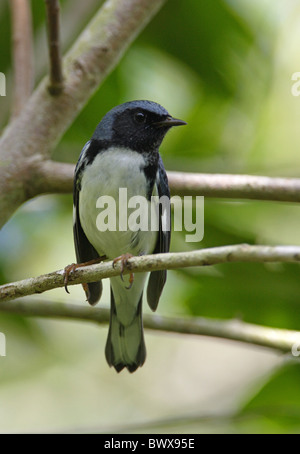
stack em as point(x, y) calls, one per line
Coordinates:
point(111, 170)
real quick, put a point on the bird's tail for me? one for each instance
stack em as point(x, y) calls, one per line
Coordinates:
point(125, 345)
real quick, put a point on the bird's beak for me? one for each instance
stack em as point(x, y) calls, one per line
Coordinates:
point(169, 122)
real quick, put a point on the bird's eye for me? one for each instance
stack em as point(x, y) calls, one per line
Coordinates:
point(139, 117)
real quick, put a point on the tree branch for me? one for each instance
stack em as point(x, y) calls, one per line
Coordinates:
point(275, 338)
point(22, 53)
point(204, 257)
point(45, 118)
point(235, 186)
point(54, 177)
point(48, 177)
point(53, 29)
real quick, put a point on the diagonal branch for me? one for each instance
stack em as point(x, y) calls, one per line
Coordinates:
point(54, 177)
point(204, 257)
point(53, 29)
point(275, 338)
point(45, 118)
point(22, 53)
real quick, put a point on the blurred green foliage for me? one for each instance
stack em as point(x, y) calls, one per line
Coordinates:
point(225, 67)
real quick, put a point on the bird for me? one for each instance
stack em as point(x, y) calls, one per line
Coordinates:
point(123, 153)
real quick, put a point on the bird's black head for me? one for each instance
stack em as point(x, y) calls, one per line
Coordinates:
point(138, 125)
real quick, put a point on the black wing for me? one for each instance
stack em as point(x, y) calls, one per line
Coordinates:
point(157, 279)
point(83, 248)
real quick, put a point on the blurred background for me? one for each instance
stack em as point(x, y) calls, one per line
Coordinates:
point(224, 66)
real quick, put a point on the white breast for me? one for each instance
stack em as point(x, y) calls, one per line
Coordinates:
point(113, 169)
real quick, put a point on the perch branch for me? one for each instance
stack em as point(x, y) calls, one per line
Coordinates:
point(53, 29)
point(204, 257)
point(279, 339)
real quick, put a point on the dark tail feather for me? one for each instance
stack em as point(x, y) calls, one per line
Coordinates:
point(93, 292)
point(125, 346)
point(155, 287)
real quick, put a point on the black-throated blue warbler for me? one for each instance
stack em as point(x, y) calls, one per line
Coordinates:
point(123, 153)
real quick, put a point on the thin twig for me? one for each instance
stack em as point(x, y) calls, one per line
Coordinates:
point(204, 257)
point(275, 338)
point(22, 53)
point(74, 15)
point(54, 177)
point(53, 28)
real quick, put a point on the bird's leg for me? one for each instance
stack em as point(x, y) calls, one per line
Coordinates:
point(69, 269)
point(124, 264)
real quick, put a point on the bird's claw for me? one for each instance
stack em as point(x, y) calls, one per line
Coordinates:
point(67, 271)
point(73, 267)
point(124, 264)
point(131, 280)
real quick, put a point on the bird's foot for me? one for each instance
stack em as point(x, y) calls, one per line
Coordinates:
point(124, 264)
point(69, 269)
